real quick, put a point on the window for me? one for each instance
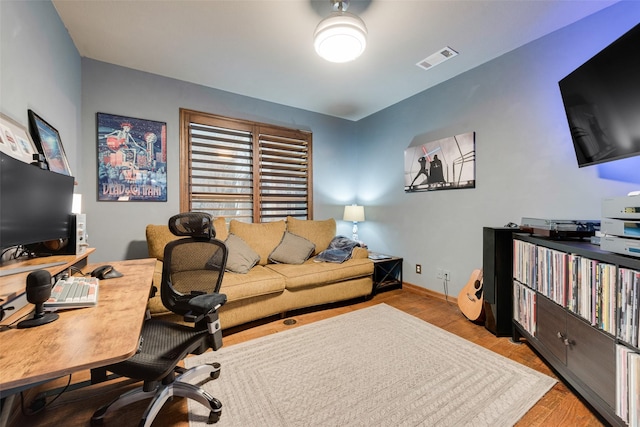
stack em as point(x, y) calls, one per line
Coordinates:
point(252, 172)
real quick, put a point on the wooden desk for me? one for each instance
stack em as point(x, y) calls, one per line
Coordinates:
point(13, 285)
point(81, 338)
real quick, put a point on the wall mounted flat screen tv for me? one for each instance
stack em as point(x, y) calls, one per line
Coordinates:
point(602, 102)
point(35, 204)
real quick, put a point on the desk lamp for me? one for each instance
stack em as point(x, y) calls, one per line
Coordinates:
point(355, 214)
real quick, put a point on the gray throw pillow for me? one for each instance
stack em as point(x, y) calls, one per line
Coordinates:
point(292, 250)
point(241, 258)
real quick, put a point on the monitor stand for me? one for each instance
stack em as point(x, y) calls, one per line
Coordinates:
point(28, 268)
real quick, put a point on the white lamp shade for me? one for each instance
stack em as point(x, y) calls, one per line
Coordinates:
point(341, 37)
point(354, 213)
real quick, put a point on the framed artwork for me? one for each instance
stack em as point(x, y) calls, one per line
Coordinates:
point(15, 140)
point(48, 141)
point(132, 159)
point(445, 164)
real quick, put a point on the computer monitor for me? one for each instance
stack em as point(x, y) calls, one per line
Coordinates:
point(35, 204)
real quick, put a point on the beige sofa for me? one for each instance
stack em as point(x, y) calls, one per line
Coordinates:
point(269, 287)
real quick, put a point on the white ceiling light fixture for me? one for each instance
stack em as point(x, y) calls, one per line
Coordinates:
point(342, 36)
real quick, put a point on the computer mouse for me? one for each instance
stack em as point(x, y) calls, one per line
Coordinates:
point(106, 272)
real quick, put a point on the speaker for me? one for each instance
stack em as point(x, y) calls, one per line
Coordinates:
point(497, 266)
point(78, 239)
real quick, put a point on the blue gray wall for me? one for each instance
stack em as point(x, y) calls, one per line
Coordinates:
point(525, 165)
point(525, 162)
point(116, 229)
point(40, 70)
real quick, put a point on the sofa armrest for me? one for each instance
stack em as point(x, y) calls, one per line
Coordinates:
point(359, 253)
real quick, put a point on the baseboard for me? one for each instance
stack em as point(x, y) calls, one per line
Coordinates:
point(428, 292)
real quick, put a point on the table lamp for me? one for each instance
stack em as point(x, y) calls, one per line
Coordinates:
point(355, 214)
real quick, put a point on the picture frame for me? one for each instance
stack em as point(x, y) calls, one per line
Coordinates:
point(445, 164)
point(132, 159)
point(15, 140)
point(49, 143)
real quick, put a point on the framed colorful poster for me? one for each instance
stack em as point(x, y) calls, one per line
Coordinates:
point(444, 164)
point(132, 159)
point(47, 139)
point(15, 140)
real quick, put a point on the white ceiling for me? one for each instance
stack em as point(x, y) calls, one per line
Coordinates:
point(263, 48)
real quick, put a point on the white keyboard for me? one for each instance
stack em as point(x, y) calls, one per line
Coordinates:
point(74, 292)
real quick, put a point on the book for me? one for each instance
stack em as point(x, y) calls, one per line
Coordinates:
point(375, 256)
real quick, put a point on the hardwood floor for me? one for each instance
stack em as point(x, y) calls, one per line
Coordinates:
point(559, 407)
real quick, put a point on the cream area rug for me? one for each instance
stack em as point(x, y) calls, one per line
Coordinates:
point(372, 367)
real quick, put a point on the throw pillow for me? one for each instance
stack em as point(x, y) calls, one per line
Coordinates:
point(240, 257)
point(292, 250)
point(319, 232)
point(261, 237)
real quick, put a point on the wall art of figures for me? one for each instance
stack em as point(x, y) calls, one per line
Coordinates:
point(132, 159)
point(445, 164)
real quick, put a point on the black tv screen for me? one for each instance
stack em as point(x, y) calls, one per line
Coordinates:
point(602, 102)
point(35, 204)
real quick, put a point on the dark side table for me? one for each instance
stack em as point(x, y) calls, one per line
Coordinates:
point(387, 272)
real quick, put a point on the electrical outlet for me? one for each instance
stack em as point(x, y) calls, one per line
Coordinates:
point(447, 275)
point(439, 273)
point(418, 269)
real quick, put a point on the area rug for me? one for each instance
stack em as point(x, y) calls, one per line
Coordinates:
point(377, 366)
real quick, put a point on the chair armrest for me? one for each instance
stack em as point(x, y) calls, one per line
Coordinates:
point(202, 304)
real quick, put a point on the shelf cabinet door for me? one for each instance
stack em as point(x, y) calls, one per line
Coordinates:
point(592, 358)
point(552, 320)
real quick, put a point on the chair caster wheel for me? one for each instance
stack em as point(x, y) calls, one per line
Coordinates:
point(214, 417)
point(216, 373)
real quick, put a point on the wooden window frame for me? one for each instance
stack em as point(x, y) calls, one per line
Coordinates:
point(270, 146)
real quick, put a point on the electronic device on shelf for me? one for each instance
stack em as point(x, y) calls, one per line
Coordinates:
point(74, 292)
point(624, 207)
point(621, 225)
point(560, 228)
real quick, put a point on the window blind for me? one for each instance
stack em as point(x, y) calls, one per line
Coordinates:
point(243, 170)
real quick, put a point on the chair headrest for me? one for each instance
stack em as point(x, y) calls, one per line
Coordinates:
point(198, 225)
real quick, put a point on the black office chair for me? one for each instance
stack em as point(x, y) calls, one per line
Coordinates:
point(191, 277)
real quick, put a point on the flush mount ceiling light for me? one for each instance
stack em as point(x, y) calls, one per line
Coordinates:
point(342, 36)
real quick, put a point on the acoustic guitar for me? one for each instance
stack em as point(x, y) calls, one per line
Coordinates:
point(470, 298)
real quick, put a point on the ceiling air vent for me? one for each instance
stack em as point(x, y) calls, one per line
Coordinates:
point(437, 58)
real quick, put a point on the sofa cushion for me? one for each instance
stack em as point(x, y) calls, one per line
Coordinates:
point(220, 225)
point(241, 258)
point(313, 273)
point(292, 249)
point(157, 238)
point(262, 237)
point(258, 281)
point(318, 232)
